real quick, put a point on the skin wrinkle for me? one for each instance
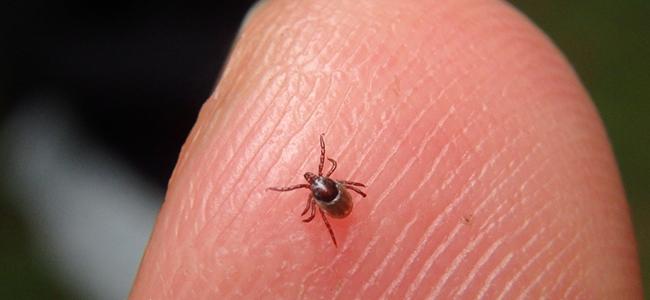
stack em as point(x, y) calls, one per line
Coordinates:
point(191, 195)
point(393, 183)
point(412, 124)
point(303, 57)
point(550, 129)
point(490, 164)
point(521, 229)
point(421, 244)
point(504, 182)
point(516, 233)
point(227, 161)
point(523, 270)
point(268, 28)
point(365, 45)
point(533, 174)
point(573, 284)
point(515, 39)
point(203, 218)
point(496, 272)
point(413, 58)
point(579, 294)
point(387, 55)
point(219, 113)
point(205, 228)
point(414, 288)
point(450, 272)
point(429, 261)
point(242, 37)
point(556, 256)
point(256, 126)
point(431, 228)
point(366, 153)
point(487, 255)
point(578, 254)
point(426, 178)
point(183, 210)
point(352, 32)
point(402, 271)
point(316, 56)
point(463, 163)
point(436, 162)
point(337, 114)
point(508, 286)
point(391, 254)
point(255, 227)
point(305, 278)
point(309, 118)
point(335, 22)
point(366, 251)
point(256, 72)
point(243, 117)
point(372, 179)
point(239, 211)
point(314, 63)
point(209, 240)
point(532, 240)
point(175, 275)
point(214, 238)
point(563, 273)
point(535, 237)
point(246, 118)
point(427, 140)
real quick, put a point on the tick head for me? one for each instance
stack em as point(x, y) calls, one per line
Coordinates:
point(310, 177)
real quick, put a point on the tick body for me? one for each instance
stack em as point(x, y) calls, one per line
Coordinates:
point(328, 196)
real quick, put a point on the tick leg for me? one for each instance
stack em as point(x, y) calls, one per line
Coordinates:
point(346, 182)
point(313, 212)
point(327, 223)
point(333, 167)
point(309, 201)
point(322, 155)
point(355, 189)
point(288, 188)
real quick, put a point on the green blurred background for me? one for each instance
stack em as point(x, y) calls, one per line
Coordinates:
point(608, 43)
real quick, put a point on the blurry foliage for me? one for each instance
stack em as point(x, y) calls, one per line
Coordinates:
point(608, 43)
point(24, 275)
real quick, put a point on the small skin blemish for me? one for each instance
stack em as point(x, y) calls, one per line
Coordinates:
point(329, 196)
point(467, 219)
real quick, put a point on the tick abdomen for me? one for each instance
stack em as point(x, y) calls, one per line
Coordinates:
point(332, 197)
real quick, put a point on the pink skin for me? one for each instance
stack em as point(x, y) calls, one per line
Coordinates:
point(488, 170)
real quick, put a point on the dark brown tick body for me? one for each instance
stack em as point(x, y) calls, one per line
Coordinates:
point(327, 195)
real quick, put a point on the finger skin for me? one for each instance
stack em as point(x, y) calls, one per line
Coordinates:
point(488, 171)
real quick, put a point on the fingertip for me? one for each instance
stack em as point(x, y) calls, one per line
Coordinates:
point(446, 109)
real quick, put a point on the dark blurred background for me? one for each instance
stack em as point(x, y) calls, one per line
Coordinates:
point(98, 98)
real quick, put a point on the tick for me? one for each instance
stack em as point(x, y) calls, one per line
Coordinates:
point(329, 196)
